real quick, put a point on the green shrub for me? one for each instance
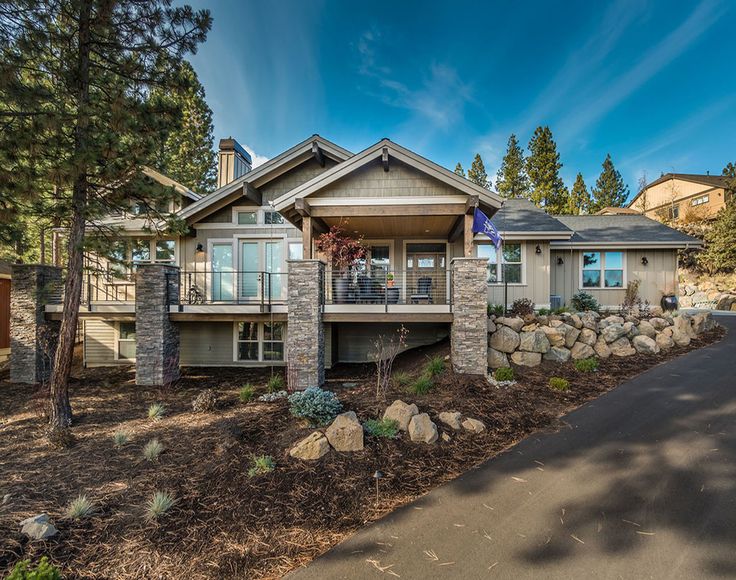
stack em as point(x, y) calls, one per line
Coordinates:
point(559, 384)
point(315, 404)
point(504, 374)
point(561, 310)
point(495, 309)
point(544, 311)
point(401, 379)
point(120, 438)
point(79, 508)
point(522, 307)
point(587, 365)
point(275, 383)
point(583, 301)
point(160, 503)
point(435, 366)
point(422, 385)
point(156, 411)
point(247, 392)
point(388, 428)
point(261, 465)
point(152, 450)
point(44, 571)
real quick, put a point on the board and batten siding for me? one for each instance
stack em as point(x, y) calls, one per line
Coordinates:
point(99, 344)
point(536, 275)
point(294, 178)
point(658, 277)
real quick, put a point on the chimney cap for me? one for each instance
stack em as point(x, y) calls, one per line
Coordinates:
point(231, 144)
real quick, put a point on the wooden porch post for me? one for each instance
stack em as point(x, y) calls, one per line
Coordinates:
point(468, 236)
point(307, 237)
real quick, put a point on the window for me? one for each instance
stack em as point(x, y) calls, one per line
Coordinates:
point(248, 341)
point(273, 341)
point(603, 270)
point(511, 263)
point(139, 208)
point(118, 255)
point(296, 251)
point(126, 340)
point(165, 250)
point(141, 251)
point(379, 256)
point(700, 200)
point(260, 342)
point(673, 212)
point(247, 217)
point(272, 217)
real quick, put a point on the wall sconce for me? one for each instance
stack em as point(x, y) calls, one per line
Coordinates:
point(560, 261)
point(644, 261)
point(538, 250)
point(200, 248)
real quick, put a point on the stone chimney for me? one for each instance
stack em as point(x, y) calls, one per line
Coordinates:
point(232, 161)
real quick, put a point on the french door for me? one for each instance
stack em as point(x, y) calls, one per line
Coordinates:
point(261, 270)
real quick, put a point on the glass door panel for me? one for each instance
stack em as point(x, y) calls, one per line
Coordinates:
point(273, 285)
point(223, 275)
point(249, 266)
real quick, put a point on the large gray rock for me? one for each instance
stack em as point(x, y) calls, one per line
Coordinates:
point(451, 419)
point(683, 324)
point(474, 425)
point(402, 413)
point(647, 329)
point(664, 342)
point(658, 323)
point(576, 321)
point(621, 347)
point(311, 447)
point(590, 321)
point(345, 433)
point(613, 332)
point(680, 337)
point(38, 527)
point(581, 350)
point(645, 345)
point(526, 359)
point(535, 341)
point(571, 334)
point(702, 322)
point(505, 339)
point(554, 336)
point(491, 326)
point(422, 429)
point(601, 348)
point(609, 320)
point(497, 359)
point(558, 354)
point(587, 336)
point(513, 322)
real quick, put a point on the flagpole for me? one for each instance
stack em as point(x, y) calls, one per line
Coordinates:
point(505, 281)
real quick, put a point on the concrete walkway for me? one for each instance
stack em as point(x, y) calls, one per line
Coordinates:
point(641, 485)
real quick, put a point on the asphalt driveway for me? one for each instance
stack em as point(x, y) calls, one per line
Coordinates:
point(642, 484)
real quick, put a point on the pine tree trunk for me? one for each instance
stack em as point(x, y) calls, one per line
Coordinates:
point(60, 410)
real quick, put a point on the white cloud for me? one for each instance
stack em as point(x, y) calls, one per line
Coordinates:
point(257, 159)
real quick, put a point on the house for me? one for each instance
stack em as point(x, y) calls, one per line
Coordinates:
point(247, 287)
point(682, 197)
point(5, 272)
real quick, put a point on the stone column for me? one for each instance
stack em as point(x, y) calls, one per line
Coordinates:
point(157, 337)
point(33, 339)
point(469, 332)
point(305, 335)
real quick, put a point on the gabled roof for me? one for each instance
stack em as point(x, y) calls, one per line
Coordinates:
point(519, 216)
point(266, 172)
point(617, 211)
point(612, 230)
point(168, 182)
point(709, 180)
point(395, 151)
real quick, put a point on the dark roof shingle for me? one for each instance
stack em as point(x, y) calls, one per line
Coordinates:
point(521, 215)
point(622, 228)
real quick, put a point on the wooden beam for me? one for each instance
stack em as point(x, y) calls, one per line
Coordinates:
point(227, 316)
point(387, 317)
point(302, 207)
point(251, 193)
point(384, 158)
point(318, 155)
point(307, 237)
point(387, 210)
point(471, 203)
point(457, 230)
point(468, 237)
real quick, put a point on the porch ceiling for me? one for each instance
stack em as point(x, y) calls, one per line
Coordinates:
point(438, 226)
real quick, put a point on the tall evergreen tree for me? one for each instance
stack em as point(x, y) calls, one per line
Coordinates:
point(477, 172)
point(79, 121)
point(579, 197)
point(511, 179)
point(187, 153)
point(610, 189)
point(543, 168)
point(459, 169)
point(730, 173)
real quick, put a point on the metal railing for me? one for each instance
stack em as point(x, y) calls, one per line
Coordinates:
point(388, 287)
point(108, 287)
point(246, 287)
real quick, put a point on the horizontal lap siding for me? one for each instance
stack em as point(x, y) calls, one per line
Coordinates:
point(99, 343)
point(206, 343)
point(537, 287)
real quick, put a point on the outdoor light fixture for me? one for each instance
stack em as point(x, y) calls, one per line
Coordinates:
point(560, 261)
point(644, 261)
point(538, 249)
point(200, 248)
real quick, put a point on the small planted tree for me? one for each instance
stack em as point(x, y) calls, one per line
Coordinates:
point(343, 253)
point(387, 349)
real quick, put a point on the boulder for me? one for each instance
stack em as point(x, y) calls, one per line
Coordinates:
point(530, 327)
point(38, 527)
point(451, 419)
point(664, 342)
point(491, 326)
point(690, 289)
point(609, 320)
point(647, 329)
point(558, 354)
point(589, 321)
point(311, 447)
point(497, 359)
point(726, 302)
point(683, 324)
point(587, 336)
point(601, 348)
point(555, 322)
point(655, 311)
point(402, 413)
point(571, 334)
point(621, 347)
point(473, 425)
point(513, 322)
point(613, 332)
point(554, 337)
point(581, 350)
point(645, 345)
point(535, 341)
point(702, 322)
point(658, 323)
point(680, 337)
point(345, 433)
point(526, 359)
point(422, 429)
point(505, 339)
point(576, 321)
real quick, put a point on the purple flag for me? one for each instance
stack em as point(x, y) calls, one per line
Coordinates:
point(482, 224)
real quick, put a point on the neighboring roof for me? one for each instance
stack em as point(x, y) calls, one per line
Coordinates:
point(6, 268)
point(617, 211)
point(398, 152)
point(709, 180)
point(519, 215)
point(168, 182)
point(611, 230)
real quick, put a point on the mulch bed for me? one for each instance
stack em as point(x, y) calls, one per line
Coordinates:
point(226, 524)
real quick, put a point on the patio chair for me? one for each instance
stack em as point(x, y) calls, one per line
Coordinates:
point(424, 291)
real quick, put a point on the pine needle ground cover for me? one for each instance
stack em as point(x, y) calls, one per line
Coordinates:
point(223, 523)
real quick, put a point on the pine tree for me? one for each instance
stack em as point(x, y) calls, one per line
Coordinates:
point(543, 168)
point(719, 254)
point(459, 169)
point(610, 189)
point(511, 179)
point(579, 197)
point(80, 119)
point(477, 172)
point(730, 173)
point(187, 153)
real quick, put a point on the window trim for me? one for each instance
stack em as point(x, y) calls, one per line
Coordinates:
point(260, 212)
point(696, 201)
point(261, 342)
point(602, 269)
point(523, 262)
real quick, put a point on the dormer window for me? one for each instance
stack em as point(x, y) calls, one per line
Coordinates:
point(247, 218)
point(273, 217)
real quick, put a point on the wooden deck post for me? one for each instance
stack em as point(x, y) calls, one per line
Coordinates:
point(468, 236)
point(307, 237)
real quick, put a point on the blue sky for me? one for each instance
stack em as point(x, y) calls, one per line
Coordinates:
point(651, 82)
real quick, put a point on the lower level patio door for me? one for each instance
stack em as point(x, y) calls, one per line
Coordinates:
point(260, 270)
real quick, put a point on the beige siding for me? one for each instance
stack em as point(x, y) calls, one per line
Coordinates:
point(372, 181)
point(657, 200)
point(99, 343)
point(356, 340)
point(658, 277)
point(294, 178)
point(206, 343)
point(536, 284)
